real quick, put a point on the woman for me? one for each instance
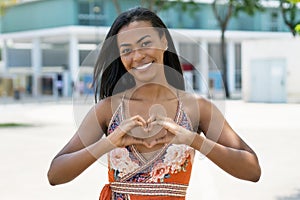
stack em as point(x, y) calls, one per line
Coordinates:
point(152, 126)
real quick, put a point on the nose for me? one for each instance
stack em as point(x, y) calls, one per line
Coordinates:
point(137, 55)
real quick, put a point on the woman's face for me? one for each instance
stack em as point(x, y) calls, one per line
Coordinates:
point(141, 50)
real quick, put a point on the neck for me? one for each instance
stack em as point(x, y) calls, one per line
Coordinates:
point(153, 92)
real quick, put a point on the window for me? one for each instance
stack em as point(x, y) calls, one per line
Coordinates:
point(91, 13)
point(274, 21)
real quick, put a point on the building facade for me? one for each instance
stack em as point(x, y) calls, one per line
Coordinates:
point(271, 71)
point(48, 47)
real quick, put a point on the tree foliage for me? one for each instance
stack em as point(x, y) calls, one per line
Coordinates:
point(4, 4)
point(294, 1)
point(297, 29)
point(289, 10)
point(224, 10)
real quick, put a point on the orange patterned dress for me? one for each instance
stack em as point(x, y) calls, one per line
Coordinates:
point(164, 176)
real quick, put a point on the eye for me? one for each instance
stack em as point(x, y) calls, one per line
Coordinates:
point(125, 51)
point(146, 44)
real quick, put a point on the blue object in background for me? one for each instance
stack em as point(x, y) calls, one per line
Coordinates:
point(216, 78)
point(88, 80)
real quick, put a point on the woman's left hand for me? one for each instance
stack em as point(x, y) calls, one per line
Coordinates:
point(179, 134)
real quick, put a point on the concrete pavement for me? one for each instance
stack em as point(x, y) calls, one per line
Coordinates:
point(272, 130)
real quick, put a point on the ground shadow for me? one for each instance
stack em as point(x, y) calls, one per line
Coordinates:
point(295, 196)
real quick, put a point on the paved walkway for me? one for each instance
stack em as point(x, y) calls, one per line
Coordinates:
point(272, 130)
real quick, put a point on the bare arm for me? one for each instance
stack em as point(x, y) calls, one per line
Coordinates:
point(223, 146)
point(84, 148)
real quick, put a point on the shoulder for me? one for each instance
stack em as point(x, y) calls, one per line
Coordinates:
point(195, 99)
point(194, 105)
point(103, 111)
point(106, 107)
point(199, 106)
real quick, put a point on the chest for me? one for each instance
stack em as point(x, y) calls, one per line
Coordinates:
point(148, 109)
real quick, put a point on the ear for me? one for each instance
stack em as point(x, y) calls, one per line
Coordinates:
point(164, 42)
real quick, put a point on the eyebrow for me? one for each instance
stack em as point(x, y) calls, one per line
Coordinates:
point(139, 40)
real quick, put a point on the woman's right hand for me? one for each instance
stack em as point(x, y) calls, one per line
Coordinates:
point(120, 137)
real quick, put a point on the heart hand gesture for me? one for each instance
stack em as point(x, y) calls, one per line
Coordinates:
point(179, 134)
point(120, 137)
point(174, 133)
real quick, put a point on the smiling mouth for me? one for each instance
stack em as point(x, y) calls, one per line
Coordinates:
point(145, 66)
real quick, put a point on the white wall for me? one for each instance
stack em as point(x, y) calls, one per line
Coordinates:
point(288, 49)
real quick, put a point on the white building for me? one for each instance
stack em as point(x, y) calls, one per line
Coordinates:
point(42, 50)
point(271, 70)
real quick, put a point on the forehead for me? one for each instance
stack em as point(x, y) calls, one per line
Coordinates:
point(133, 31)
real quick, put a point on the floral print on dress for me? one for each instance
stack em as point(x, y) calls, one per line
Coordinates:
point(159, 172)
point(176, 157)
point(121, 162)
point(175, 160)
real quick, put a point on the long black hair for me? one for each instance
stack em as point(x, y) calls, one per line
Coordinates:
point(109, 68)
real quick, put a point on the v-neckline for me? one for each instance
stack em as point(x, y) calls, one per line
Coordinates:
point(142, 159)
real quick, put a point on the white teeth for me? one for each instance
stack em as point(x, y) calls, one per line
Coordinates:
point(143, 66)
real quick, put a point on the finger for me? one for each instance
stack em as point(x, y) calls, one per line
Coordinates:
point(139, 119)
point(132, 122)
point(158, 121)
point(150, 123)
point(141, 142)
point(138, 123)
point(164, 118)
point(129, 140)
point(170, 126)
point(160, 117)
point(157, 141)
point(147, 128)
point(151, 119)
point(162, 140)
point(146, 144)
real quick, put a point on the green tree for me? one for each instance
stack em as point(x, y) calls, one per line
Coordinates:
point(294, 1)
point(4, 4)
point(289, 10)
point(297, 28)
point(224, 10)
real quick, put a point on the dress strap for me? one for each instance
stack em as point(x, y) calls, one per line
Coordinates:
point(117, 117)
point(123, 97)
point(179, 108)
point(179, 99)
point(122, 105)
